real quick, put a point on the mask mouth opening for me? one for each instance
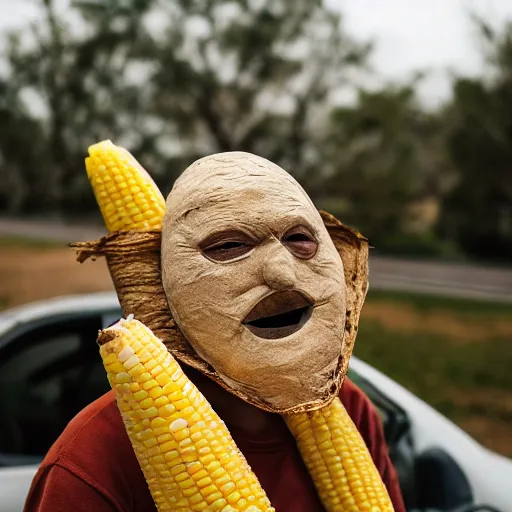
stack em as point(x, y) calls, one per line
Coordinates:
point(279, 315)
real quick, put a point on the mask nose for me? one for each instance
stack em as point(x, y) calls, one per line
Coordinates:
point(278, 270)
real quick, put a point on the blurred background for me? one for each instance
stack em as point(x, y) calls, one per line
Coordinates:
point(395, 116)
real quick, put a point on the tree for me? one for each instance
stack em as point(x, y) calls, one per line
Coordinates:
point(478, 212)
point(22, 151)
point(385, 152)
point(208, 76)
point(252, 76)
point(79, 81)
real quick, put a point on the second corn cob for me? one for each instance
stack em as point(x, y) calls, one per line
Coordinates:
point(186, 453)
point(339, 461)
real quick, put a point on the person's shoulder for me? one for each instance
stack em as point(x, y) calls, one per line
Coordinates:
point(350, 392)
point(96, 427)
point(92, 457)
point(102, 409)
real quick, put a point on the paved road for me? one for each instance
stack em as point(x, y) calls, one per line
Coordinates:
point(455, 280)
point(48, 230)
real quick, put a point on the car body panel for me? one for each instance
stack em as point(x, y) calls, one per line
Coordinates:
point(14, 486)
point(46, 309)
point(489, 474)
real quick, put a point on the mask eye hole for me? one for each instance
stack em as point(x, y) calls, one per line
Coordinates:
point(229, 246)
point(300, 242)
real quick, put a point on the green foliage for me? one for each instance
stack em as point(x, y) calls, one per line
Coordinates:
point(429, 365)
point(209, 79)
point(173, 81)
point(384, 151)
point(441, 363)
point(421, 245)
point(478, 211)
point(465, 309)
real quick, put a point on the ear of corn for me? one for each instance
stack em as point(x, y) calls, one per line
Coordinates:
point(127, 196)
point(186, 453)
point(339, 461)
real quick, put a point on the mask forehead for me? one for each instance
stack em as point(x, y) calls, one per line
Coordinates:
point(234, 186)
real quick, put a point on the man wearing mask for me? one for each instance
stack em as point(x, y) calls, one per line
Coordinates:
point(259, 293)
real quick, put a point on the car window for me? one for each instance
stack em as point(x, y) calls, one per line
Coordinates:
point(384, 412)
point(397, 431)
point(47, 375)
point(111, 317)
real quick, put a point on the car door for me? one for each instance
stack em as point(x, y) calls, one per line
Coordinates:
point(49, 370)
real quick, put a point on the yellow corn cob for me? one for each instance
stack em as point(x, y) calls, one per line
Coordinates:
point(127, 196)
point(186, 453)
point(339, 461)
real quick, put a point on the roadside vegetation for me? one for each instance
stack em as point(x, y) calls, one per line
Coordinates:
point(454, 354)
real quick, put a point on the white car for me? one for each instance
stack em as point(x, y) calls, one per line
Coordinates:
point(50, 369)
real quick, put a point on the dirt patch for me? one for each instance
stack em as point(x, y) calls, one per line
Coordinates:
point(492, 433)
point(33, 274)
point(404, 318)
point(497, 401)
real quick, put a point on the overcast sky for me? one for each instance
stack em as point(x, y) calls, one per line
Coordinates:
point(410, 34)
point(423, 34)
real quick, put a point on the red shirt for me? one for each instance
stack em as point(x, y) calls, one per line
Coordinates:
point(92, 466)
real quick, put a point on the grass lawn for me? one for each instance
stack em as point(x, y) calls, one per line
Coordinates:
point(454, 354)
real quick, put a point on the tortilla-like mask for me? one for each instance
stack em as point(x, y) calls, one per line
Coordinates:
point(253, 279)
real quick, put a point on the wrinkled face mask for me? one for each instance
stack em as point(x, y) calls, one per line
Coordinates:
point(253, 279)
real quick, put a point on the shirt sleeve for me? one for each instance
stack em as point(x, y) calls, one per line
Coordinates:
point(57, 489)
point(368, 423)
